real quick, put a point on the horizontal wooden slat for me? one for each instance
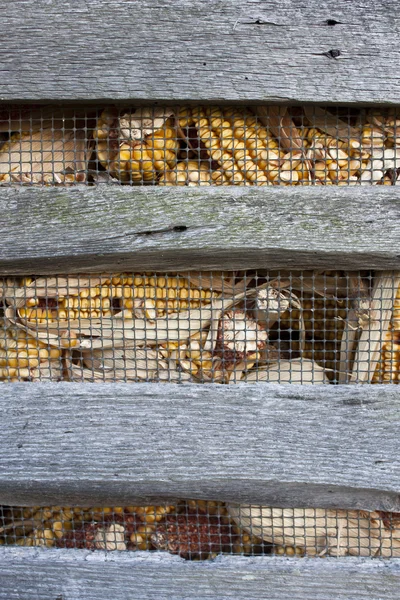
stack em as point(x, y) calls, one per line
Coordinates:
point(232, 50)
point(121, 444)
point(28, 574)
point(93, 229)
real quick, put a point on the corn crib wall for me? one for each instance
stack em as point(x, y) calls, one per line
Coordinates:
point(119, 444)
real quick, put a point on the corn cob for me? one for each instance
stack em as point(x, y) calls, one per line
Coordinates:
point(148, 296)
point(63, 526)
point(24, 357)
point(249, 154)
point(136, 147)
point(237, 346)
point(288, 551)
point(109, 311)
point(388, 368)
point(365, 159)
point(193, 359)
point(192, 173)
point(246, 153)
point(44, 157)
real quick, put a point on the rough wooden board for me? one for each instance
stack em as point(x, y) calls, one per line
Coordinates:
point(232, 50)
point(30, 574)
point(80, 229)
point(119, 444)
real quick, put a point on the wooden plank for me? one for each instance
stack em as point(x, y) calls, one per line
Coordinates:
point(233, 50)
point(51, 231)
point(121, 444)
point(27, 574)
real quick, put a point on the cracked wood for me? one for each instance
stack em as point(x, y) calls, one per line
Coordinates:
point(235, 50)
point(47, 231)
point(123, 444)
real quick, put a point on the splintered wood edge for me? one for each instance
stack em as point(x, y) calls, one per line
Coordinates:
point(122, 444)
point(89, 229)
point(76, 574)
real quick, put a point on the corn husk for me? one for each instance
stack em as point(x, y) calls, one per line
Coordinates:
point(6, 283)
point(320, 531)
point(217, 281)
point(45, 157)
point(103, 332)
point(360, 311)
point(116, 331)
point(232, 345)
point(373, 330)
point(279, 122)
point(48, 370)
point(331, 124)
point(300, 371)
point(276, 119)
point(127, 364)
point(388, 366)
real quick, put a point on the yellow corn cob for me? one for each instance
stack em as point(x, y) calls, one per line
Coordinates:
point(244, 150)
point(349, 161)
point(152, 296)
point(288, 551)
point(193, 359)
point(192, 173)
point(137, 146)
point(56, 522)
point(206, 366)
point(388, 368)
point(22, 356)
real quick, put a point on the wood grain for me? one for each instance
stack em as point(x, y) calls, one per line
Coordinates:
point(33, 574)
point(49, 231)
point(121, 444)
point(248, 50)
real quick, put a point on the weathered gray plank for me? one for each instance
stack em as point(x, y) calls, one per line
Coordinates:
point(31, 574)
point(124, 443)
point(54, 230)
point(230, 50)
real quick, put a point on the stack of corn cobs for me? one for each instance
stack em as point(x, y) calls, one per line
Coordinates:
point(194, 327)
point(196, 529)
point(201, 146)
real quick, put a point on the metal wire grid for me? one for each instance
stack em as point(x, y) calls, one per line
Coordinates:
point(199, 530)
point(253, 326)
point(199, 145)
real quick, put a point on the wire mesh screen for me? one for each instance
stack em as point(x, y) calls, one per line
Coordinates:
point(203, 145)
point(200, 530)
point(320, 328)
